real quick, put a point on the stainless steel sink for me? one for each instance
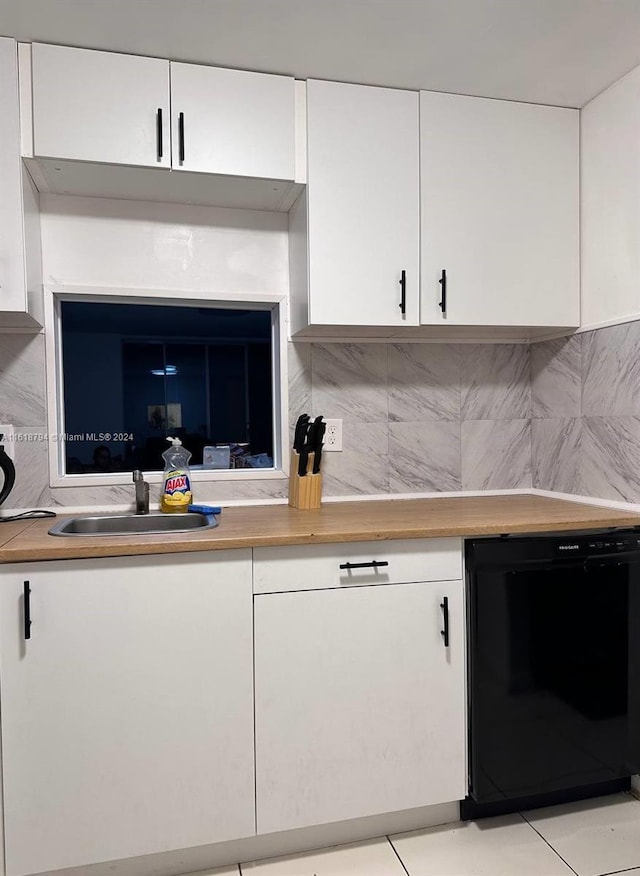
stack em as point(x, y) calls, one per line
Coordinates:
point(133, 524)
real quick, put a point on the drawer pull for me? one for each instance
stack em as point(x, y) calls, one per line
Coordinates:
point(444, 605)
point(27, 609)
point(403, 293)
point(181, 138)
point(159, 132)
point(374, 564)
point(442, 304)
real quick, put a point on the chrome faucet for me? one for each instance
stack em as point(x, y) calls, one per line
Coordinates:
point(142, 492)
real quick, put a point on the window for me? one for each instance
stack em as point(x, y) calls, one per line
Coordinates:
point(132, 373)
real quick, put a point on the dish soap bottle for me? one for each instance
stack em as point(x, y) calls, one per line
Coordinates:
point(176, 491)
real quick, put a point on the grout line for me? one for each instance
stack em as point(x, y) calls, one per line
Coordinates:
point(555, 851)
point(398, 856)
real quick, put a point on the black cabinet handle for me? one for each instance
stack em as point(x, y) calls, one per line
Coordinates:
point(181, 137)
point(27, 610)
point(444, 605)
point(442, 304)
point(159, 132)
point(374, 564)
point(403, 292)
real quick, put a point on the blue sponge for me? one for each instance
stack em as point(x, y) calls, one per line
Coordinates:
point(204, 509)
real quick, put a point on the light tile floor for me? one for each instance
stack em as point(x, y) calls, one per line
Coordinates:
point(590, 838)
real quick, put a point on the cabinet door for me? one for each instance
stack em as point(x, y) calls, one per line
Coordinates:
point(13, 291)
point(127, 716)
point(500, 200)
point(359, 705)
point(100, 106)
point(232, 122)
point(610, 168)
point(364, 210)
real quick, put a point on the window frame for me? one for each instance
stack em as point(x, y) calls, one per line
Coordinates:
point(54, 295)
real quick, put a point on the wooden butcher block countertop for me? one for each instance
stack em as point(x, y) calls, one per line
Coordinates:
point(267, 525)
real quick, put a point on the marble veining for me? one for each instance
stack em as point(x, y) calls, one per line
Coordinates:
point(588, 444)
point(495, 382)
point(299, 367)
point(424, 457)
point(424, 382)
point(31, 460)
point(610, 459)
point(556, 446)
point(611, 371)
point(268, 488)
point(496, 454)
point(349, 382)
point(555, 377)
point(363, 465)
point(111, 494)
point(22, 390)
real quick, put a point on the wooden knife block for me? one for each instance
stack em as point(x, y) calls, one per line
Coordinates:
point(304, 493)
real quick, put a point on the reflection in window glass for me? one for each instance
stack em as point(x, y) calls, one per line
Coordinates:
point(134, 374)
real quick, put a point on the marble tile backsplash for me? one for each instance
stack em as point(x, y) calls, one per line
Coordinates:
point(559, 415)
point(22, 390)
point(495, 382)
point(417, 417)
point(585, 399)
point(423, 417)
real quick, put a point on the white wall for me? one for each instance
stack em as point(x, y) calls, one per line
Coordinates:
point(103, 242)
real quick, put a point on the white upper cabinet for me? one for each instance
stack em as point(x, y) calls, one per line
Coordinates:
point(500, 202)
point(610, 168)
point(363, 205)
point(20, 252)
point(127, 715)
point(232, 122)
point(104, 123)
point(100, 106)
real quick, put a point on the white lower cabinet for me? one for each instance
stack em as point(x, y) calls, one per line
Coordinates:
point(127, 716)
point(129, 696)
point(360, 705)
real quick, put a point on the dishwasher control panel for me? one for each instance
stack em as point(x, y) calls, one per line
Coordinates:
point(551, 547)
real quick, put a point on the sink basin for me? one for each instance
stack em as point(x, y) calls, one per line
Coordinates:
point(133, 524)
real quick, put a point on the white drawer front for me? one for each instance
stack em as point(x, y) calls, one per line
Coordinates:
point(317, 567)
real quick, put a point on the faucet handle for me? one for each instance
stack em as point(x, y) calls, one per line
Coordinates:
point(137, 476)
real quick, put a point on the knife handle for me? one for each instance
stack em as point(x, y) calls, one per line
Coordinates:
point(300, 432)
point(303, 463)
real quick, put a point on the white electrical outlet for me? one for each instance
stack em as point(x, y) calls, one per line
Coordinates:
point(333, 436)
point(8, 441)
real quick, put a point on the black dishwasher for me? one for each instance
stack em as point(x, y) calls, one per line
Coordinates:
point(553, 668)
